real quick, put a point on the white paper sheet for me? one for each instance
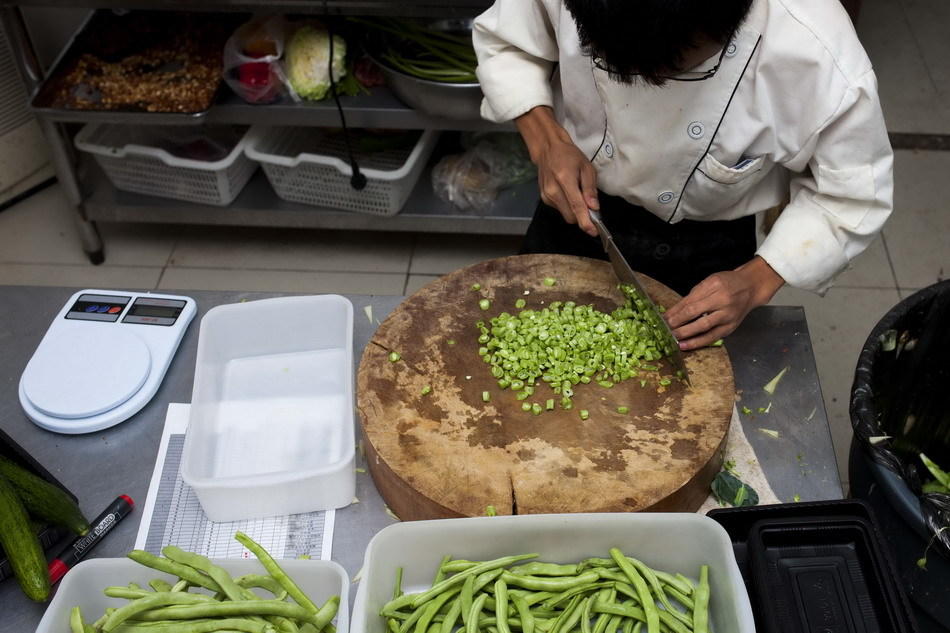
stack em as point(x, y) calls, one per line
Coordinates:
point(173, 516)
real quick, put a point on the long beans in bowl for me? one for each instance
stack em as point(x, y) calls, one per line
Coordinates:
point(422, 51)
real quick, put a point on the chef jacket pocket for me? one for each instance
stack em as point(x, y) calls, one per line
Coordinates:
point(716, 188)
point(847, 193)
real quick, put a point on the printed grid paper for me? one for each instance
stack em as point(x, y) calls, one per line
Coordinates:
point(173, 515)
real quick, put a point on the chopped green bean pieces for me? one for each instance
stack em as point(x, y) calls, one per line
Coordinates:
point(486, 397)
point(585, 414)
point(476, 287)
point(394, 357)
point(484, 304)
point(426, 390)
point(623, 409)
point(520, 303)
point(549, 281)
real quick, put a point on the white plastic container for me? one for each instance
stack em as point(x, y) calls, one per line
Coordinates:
point(271, 430)
point(82, 586)
point(310, 166)
point(673, 542)
point(134, 160)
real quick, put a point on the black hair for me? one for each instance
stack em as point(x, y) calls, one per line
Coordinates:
point(647, 38)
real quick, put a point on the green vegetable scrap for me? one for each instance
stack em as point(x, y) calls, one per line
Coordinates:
point(565, 344)
point(549, 281)
point(746, 410)
point(486, 396)
point(394, 357)
point(729, 489)
point(426, 390)
point(476, 287)
point(596, 595)
point(770, 432)
point(769, 388)
point(623, 410)
point(941, 481)
point(584, 414)
point(490, 511)
point(484, 304)
point(796, 497)
point(520, 303)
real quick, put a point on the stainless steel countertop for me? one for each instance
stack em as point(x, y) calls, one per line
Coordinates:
point(98, 466)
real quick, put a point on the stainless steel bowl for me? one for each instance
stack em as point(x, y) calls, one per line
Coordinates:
point(452, 101)
point(448, 100)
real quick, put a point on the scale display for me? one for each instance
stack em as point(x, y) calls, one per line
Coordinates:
point(138, 333)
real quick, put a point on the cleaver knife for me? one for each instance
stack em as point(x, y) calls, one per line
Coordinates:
point(627, 277)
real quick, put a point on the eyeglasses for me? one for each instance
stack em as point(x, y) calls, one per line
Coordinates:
point(688, 75)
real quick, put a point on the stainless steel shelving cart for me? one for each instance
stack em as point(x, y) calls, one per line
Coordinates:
point(96, 200)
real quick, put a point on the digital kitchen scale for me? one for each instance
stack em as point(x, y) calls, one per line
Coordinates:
point(102, 359)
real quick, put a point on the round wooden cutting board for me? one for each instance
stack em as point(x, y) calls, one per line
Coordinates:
point(449, 454)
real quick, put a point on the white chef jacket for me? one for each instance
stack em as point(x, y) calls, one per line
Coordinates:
point(792, 113)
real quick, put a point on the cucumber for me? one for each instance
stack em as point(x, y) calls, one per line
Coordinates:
point(44, 500)
point(21, 545)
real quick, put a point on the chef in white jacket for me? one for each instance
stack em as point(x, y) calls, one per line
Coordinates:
point(682, 120)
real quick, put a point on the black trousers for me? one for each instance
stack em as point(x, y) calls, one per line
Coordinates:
point(679, 255)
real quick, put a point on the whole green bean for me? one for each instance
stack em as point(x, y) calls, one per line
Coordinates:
point(459, 578)
point(263, 582)
point(646, 600)
point(501, 606)
point(678, 581)
point(157, 584)
point(390, 623)
point(574, 617)
point(467, 597)
point(181, 585)
point(228, 609)
point(448, 624)
point(279, 574)
point(701, 602)
point(397, 590)
point(686, 581)
point(471, 626)
point(658, 592)
point(613, 623)
point(585, 616)
point(439, 572)
point(611, 574)
point(97, 625)
point(205, 626)
point(204, 565)
point(126, 593)
point(566, 613)
point(629, 611)
point(524, 611)
point(634, 627)
point(457, 565)
point(486, 579)
point(544, 569)
point(148, 603)
point(75, 621)
point(432, 607)
point(555, 584)
point(684, 600)
point(177, 569)
point(557, 599)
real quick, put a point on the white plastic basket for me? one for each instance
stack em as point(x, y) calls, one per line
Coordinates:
point(309, 166)
point(133, 162)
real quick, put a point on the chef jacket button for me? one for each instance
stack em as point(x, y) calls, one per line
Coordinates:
point(731, 49)
point(696, 130)
point(609, 150)
point(661, 251)
point(666, 197)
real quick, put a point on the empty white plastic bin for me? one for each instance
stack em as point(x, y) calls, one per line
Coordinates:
point(270, 430)
point(673, 542)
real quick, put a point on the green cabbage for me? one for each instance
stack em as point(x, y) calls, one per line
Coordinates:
point(306, 62)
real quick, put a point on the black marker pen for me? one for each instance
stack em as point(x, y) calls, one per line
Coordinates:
point(78, 549)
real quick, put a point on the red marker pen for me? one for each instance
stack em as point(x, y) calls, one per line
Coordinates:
point(78, 549)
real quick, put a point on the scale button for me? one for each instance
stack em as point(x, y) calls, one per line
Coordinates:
point(103, 309)
point(115, 310)
point(92, 308)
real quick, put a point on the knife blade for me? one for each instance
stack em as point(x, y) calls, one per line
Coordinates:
point(627, 277)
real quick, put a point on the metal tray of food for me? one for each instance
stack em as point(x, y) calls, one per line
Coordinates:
point(119, 66)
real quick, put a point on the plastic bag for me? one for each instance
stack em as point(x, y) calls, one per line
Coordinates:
point(252, 57)
point(471, 180)
point(900, 405)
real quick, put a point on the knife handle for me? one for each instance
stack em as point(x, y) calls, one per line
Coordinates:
point(602, 231)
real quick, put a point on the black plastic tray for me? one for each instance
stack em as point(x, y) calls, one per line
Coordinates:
point(817, 574)
point(49, 536)
point(875, 568)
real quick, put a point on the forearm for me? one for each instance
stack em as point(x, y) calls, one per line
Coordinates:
point(762, 278)
point(540, 130)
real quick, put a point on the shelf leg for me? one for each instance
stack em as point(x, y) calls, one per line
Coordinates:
point(64, 161)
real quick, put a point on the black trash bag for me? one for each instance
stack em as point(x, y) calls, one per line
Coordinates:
point(900, 400)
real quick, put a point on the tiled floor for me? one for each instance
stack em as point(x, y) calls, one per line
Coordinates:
point(906, 40)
